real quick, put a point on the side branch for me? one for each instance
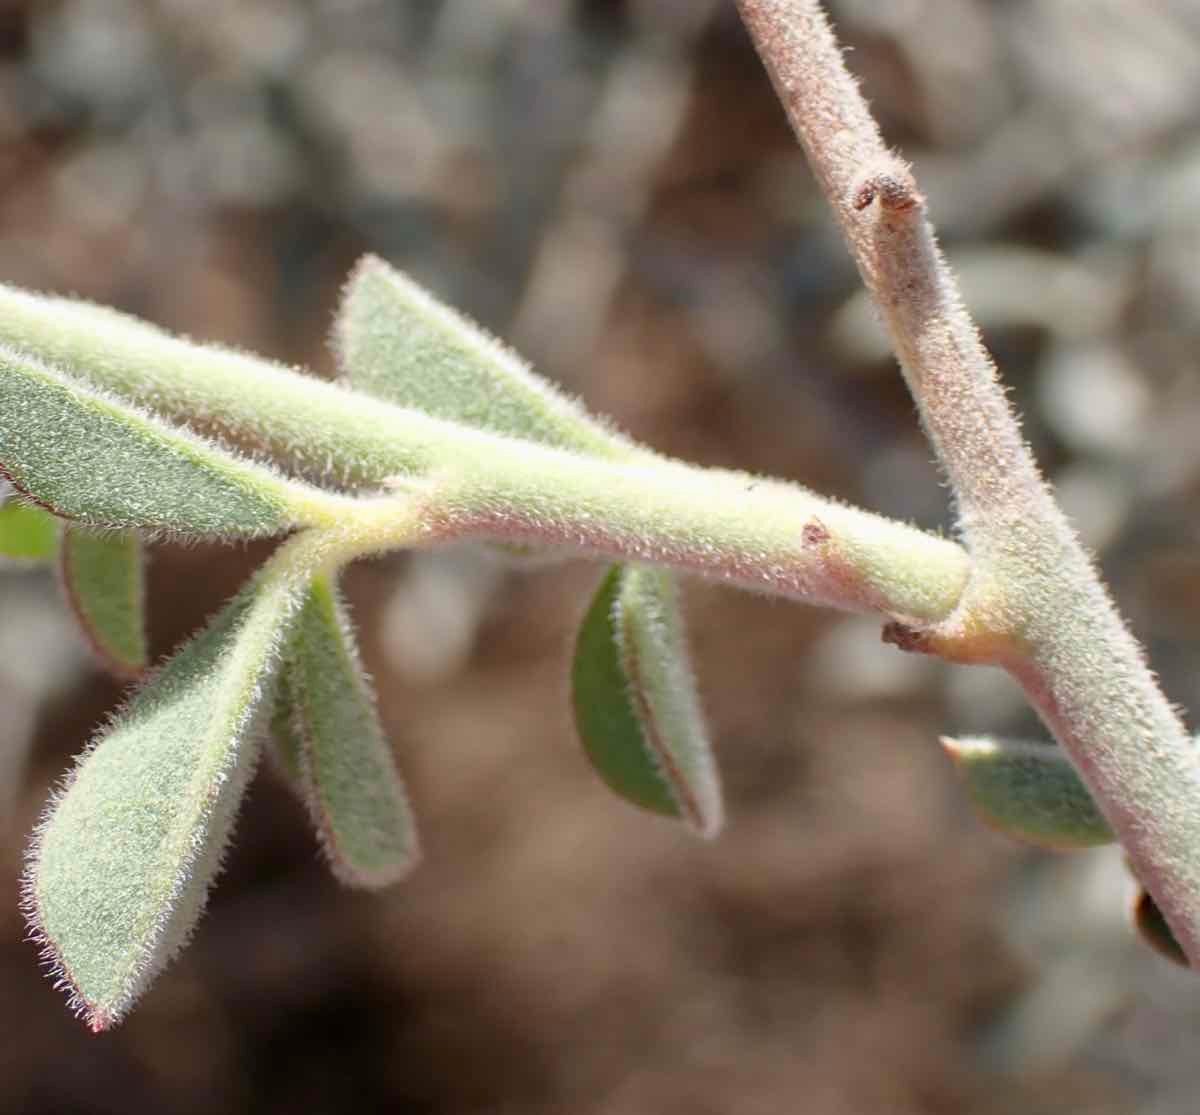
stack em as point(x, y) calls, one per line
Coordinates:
point(951, 375)
point(724, 526)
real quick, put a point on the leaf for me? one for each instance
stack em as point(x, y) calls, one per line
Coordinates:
point(635, 700)
point(1152, 927)
point(106, 463)
point(646, 737)
point(1029, 791)
point(287, 746)
point(352, 787)
point(121, 863)
point(27, 534)
point(103, 576)
point(317, 428)
point(397, 342)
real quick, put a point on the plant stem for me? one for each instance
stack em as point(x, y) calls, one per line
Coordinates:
point(628, 505)
point(1034, 602)
point(725, 526)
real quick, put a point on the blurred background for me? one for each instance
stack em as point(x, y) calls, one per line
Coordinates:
point(610, 185)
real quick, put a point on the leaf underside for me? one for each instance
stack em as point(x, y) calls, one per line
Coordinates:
point(1029, 791)
point(103, 577)
point(346, 767)
point(635, 701)
point(120, 865)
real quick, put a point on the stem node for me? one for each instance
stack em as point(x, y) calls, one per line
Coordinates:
point(893, 186)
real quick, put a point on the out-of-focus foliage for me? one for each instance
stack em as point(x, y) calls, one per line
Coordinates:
point(103, 578)
point(27, 533)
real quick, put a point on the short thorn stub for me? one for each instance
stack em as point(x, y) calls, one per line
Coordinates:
point(907, 638)
point(895, 189)
point(815, 533)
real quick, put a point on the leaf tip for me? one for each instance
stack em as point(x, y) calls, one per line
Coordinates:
point(99, 1022)
point(347, 868)
point(50, 956)
point(366, 267)
point(351, 875)
point(120, 864)
point(958, 749)
point(366, 264)
point(1153, 929)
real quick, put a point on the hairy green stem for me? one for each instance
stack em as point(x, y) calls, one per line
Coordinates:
point(632, 505)
point(1034, 602)
point(725, 526)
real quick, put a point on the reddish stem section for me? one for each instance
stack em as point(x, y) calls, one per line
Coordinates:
point(1033, 603)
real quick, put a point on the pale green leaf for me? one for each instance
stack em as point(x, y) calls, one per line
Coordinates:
point(103, 576)
point(352, 786)
point(635, 699)
point(318, 429)
point(646, 736)
point(121, 865)
point(106, 463)
point(399, 343)
point(1029, 791)
point(27, 534)
point(1152, 927)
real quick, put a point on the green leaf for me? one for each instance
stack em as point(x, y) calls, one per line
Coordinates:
point(1029, 791)
point(27, 534)
point(287, 746)
point(352, 787)
point(635, 700)
point(103, 576)
point(121, 864)
point(106, 463)
point(316, 428)
point(1152, 927)
point(397, 342)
